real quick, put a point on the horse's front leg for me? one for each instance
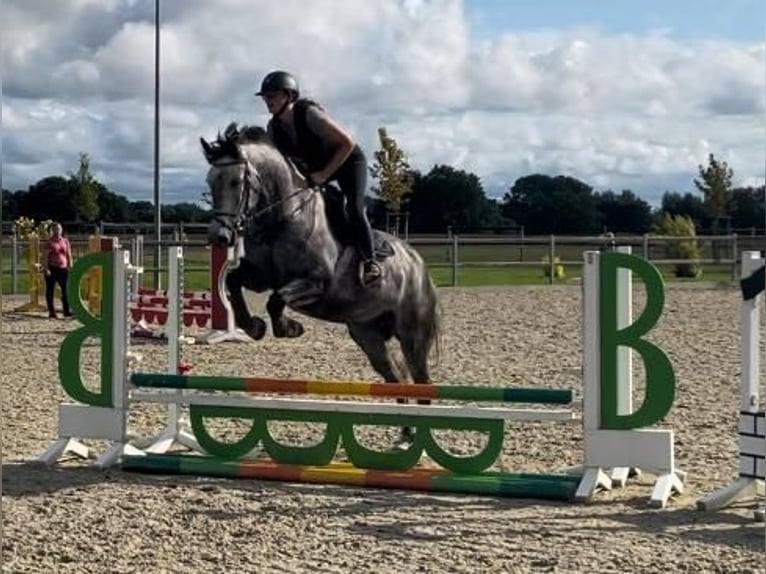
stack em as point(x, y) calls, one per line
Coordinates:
point(282, 326)
point(254, 326)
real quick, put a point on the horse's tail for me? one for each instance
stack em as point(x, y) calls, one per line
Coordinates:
point(432, 317)
point(421, 322)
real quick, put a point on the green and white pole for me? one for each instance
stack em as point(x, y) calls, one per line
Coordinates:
point(101, 413)
point(176, 426)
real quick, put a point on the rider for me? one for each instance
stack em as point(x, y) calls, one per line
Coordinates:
point(303, 131)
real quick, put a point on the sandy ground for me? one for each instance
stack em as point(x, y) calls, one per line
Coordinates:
point(76, 519)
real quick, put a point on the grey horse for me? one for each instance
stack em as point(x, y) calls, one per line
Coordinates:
point(296, 246)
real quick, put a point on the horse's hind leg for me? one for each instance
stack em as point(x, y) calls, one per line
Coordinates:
point(416, 355)
point(372, 337)
point(417, 331)
point(281, 325)
point(255, 327)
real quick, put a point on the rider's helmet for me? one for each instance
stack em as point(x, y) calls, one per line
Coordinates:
point(280, 80)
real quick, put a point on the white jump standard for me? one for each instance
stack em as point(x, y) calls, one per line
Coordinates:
point(752, 420)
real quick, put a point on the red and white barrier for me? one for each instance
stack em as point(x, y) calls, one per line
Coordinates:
point(149, 307)
point(222, 315)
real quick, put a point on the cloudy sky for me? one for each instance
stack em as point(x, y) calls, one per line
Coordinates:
point(620, 94)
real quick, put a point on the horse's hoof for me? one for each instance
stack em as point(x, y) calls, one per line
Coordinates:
point(288, 328)
point(404, 441)
point(257, 329)
point(401, 446)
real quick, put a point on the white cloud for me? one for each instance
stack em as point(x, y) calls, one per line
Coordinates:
point(614, 110)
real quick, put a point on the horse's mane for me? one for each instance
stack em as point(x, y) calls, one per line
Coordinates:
point(226, 145)
point(234, 142)
point(254, 134)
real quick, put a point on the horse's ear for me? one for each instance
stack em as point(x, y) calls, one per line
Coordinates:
point(231, 132)
point(207, 149)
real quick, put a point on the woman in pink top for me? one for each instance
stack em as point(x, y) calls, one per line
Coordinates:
point(58, 260)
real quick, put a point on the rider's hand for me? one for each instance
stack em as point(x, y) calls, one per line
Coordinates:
point(317, 178)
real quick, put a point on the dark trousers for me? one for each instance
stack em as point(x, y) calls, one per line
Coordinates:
point(58, 275)
point(352, 180)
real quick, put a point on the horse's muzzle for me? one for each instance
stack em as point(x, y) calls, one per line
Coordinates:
point(219, 235)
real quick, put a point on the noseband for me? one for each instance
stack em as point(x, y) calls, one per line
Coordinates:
point(243, 211)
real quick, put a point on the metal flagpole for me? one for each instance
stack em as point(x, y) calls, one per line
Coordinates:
point(760, 513)
point(157, 206)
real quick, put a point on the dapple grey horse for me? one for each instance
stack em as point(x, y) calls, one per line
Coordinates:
point(296, 245)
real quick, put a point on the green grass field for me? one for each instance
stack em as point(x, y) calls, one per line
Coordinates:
point(439, 257)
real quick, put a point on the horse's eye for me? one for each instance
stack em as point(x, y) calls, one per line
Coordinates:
point(235, 183)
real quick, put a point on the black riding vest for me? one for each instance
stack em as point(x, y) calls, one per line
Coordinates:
point(310, 153)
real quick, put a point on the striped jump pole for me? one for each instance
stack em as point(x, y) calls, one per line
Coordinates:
point(34, 273)
point(351, 388)
point(367, 468)
point(340, 418)
point(512, 485)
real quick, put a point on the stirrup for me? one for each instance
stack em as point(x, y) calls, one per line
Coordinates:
point(377, 272)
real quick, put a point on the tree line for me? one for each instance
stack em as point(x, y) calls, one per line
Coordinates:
point(80, 197)
point(442, 198)
point(559, 204)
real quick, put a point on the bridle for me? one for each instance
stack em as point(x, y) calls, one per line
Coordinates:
point(246, 209)
point(243, 210)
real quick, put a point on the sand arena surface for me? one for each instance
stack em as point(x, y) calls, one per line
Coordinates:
point(76, 519)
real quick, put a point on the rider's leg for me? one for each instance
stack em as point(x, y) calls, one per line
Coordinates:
point(352, 180)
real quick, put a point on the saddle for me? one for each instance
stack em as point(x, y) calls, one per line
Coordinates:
point(337, 213)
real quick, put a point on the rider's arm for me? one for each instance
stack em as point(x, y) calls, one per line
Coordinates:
point(334, 135)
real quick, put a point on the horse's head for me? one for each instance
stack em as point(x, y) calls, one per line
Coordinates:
point(234, 185)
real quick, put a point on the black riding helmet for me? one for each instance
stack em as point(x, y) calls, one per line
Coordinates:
point(279, 80)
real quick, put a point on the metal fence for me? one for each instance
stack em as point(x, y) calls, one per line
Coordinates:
point(451, 256)
point(545, 253)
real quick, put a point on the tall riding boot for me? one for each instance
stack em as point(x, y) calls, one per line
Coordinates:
point(370, 268)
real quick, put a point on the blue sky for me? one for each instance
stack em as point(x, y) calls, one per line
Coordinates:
point(743, 20)
point(617, 94)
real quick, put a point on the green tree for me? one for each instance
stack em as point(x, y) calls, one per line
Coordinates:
point(141, 211)
point(715, 184)
point(392, 171)
point(88, 190)
point(689, 204)
point(448, 197)
point(185, 212)
point(746, 207)
point(545, 204)
point(625, 212)
point(52, 197)
point(12, 204)
point(113, 207)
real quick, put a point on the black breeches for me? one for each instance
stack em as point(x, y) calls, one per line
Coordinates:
point(58, 275)
point(352, 180)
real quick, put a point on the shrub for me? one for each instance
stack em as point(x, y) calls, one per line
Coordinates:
point(688, 249)
point(558, 268)
point(26, 227)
